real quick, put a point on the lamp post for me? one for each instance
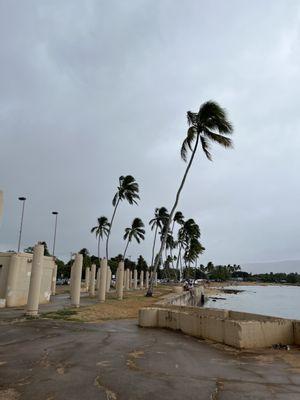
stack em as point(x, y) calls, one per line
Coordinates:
point(56, 214)
point(23, 199)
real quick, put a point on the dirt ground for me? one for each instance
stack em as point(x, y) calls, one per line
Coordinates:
point(112, 309)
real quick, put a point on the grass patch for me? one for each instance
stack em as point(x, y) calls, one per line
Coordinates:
point(64, 314)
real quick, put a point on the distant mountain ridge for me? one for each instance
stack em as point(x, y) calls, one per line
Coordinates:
point(287, 266)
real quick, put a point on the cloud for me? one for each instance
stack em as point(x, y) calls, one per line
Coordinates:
point(93, 90)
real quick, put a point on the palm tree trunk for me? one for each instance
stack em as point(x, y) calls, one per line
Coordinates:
point(111, 222)
point(163, 243)
point(178, 259)
point(171, 250)
point(99, 249)
point(126, 249)
point(153, 248)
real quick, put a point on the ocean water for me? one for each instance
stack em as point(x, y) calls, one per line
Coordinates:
point(276, 301)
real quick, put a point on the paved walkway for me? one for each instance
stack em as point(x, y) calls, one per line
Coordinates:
point(57, 302)
point(57, 360)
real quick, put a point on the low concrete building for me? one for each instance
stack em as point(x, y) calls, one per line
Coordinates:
point(15, 272)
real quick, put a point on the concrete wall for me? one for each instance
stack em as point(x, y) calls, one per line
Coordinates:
point(239, 334)
point(237, 329)
point(296, 325)
point(17, 293)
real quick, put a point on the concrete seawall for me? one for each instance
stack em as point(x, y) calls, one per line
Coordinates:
point(236, 329)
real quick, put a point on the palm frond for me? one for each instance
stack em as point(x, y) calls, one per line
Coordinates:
point(222, 140)
point(213, 116)
point(205, 147)
point(187, 143)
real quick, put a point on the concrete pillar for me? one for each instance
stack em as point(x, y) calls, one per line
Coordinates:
point(147, 280)
point(87, 279)
point(135, 279)
point(102, 286)
point(155, 279)
point(120, 279)
point(53, 280)
point(98, 279)
point(76, 280)
point(32, 307)
point(92, 280)
point(127, 279)
point(12, 277)
point(124, 277)
point(142, 279)
point(108, 279)
point(130, 278)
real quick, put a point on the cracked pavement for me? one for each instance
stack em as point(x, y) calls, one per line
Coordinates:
point(58, 360)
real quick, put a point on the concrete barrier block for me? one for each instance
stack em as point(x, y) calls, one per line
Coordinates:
point(244, 316)
point(213, 329)
point(190, 324)
point(169, 319)
point(255, 334)
point(148, 317)
point(232, 333)
point(296, 326)
point(213, 312)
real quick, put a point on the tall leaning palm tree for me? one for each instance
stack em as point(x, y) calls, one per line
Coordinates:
point(209, 124)
point(128, 190)
point(101, 230)
point(136, 231)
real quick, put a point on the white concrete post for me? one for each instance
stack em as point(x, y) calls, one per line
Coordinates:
point(76, 280)
point(135, 279)
point(127, 279)
point(108, 279)
point(53, 281)
point(12, 277)
point(98, 279)
point(147, 280)
point(102, 286)
point(92, 280)
point(155, 279)
point(142, 279)
point(120, 279)
point(130, 278)
point(87, 279)
point(32, 307)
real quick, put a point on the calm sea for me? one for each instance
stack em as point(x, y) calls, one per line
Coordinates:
point(277, 301)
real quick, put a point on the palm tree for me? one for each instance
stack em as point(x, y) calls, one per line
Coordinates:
point(189, 232)
point(101, 230)
point(136, 231)
point(160, 217)
point(128, 190)
point(179, 219)
point(209, 124)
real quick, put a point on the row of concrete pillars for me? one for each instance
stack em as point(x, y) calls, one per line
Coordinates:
point(125, 280)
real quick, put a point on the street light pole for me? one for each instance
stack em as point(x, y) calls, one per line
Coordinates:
point(23, 199)
point(56, 214)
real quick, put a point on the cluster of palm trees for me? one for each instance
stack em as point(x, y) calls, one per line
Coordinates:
point(185, 242)
point(128, 190)
point(209, 124)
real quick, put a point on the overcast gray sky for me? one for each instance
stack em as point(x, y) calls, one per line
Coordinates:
point(91, 90)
